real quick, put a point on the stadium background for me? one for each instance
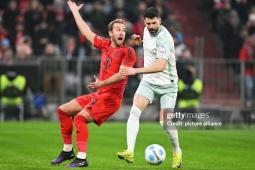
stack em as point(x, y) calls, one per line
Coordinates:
point(40, 40)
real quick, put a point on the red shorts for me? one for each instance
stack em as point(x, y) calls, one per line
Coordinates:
point(100, 107)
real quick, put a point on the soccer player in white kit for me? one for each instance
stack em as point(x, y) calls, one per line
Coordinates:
point(159, 80)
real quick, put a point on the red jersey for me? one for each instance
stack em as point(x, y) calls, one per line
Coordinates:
point(111, 60)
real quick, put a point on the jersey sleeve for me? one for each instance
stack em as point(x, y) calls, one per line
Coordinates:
point(129, 58)
point(165, 47)
point(98, 42)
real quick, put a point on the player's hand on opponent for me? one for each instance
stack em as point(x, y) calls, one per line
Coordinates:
point(73, 7)
point(128, 71)
point(95, 85)
point(137, 40)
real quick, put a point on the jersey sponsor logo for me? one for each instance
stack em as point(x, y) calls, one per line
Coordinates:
point(161, 50)
point(107, 63)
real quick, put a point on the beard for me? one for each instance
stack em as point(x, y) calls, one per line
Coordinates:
point(153, 31)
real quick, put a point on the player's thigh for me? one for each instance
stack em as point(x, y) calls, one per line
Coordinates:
point(140, 101)
point(167, 104)
point(71, 108)
point(146, 91)
point(168, 100)
point(76, 105)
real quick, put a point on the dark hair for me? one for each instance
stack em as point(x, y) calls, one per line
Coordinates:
point(151, 12)
point(120, 21)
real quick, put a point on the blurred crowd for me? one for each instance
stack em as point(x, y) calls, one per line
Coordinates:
point(47, 28)
point(234, 22)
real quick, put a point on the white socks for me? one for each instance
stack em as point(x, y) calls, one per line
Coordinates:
point(68, 147)
point(81, 155)
point(172, 135)
point(133, 127)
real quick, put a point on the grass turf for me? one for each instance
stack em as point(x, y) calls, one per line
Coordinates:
point(32, 145)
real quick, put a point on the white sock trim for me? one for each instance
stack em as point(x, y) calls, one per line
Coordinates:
point(67, 147)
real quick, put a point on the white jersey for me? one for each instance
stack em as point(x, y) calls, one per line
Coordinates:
point(157, 46)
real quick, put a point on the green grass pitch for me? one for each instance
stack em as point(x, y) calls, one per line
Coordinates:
point(32, 146)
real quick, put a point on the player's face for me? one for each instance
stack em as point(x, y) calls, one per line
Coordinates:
point(152, 24)
point(118, 34)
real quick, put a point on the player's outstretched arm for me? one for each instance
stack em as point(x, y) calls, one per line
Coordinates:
point(83, 27)
point(111, 80)
point(159, 66)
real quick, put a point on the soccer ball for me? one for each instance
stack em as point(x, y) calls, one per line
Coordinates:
point(155, 154)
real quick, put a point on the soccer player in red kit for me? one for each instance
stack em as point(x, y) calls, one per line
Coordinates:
point(96, 107)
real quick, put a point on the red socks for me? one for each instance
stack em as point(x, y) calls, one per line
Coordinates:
point(82, 132)
point(66, 128)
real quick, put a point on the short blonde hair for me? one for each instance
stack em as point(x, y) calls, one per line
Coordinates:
point(118, 20)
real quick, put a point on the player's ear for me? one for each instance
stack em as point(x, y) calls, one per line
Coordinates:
point(160, 20)
point(110, 33)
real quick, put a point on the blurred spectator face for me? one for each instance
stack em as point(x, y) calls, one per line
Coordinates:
point(8, 53)
point(60, 16)
point(49, 49)
point(142, 6)
point(185, 54)
point(19, 27)
point(24, 48)
point(34, 4)
point(119, 4)
point(97, 6)
point(13, 5)
point(152, 24)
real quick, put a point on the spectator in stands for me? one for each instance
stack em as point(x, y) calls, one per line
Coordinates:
point(24, 48)
point(139, 26)
point(33, 17)
point(247, 55)
point(6, 53)
point(178, 47)
point(161, 5)
point(59, 28)
point(41, 38)
point(242, 7)
point(184, 61)
point(118, 10)
point(172, 20)
point(10, 16)
point(223, 14)
point(189, 91)
point(231, 37)
point(71, 48)
point(51, 76)
point(97, 18)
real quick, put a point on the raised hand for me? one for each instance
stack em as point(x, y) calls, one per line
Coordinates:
point(136, 39)
point(72, 5)
point(95, 85)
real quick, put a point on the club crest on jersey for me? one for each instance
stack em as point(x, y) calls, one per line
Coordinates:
point(117, 54)
point(161, 50)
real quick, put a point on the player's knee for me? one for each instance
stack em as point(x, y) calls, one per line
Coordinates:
point(61, 113)
point(135, 111)
point(78, 119)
